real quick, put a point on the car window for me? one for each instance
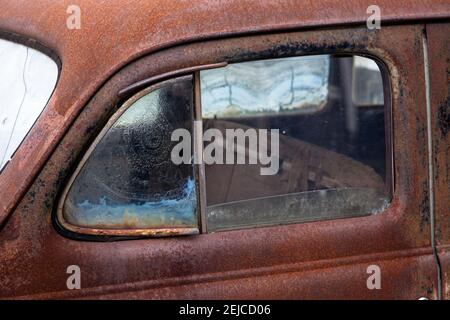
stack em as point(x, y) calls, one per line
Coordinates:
point(268, 142)
point(28, 78)
point(329, 156)
point(128, 180)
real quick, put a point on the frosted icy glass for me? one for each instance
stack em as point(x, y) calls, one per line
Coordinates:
point(129, 181)
point(27, 80)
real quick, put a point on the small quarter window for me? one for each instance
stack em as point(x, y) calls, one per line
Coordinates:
point(128, 182)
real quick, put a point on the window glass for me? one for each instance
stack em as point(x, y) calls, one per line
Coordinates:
point(129, 181)
point(27, 80)
point(367, 84)
point(327, 155)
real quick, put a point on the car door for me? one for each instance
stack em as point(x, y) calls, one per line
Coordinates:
point(377, 254)
point(439, 50)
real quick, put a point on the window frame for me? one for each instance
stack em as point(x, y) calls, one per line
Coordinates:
point(133, 92)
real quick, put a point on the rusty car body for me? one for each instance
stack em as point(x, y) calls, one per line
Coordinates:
point(123, 44)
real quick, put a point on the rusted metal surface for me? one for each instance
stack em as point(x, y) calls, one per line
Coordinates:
point(274, 262)
point(146, 82)
point(103, 45)
point(444, 257)
point(439, 55)
point(294, 281)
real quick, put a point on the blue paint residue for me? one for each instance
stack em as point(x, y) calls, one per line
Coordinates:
point(172, 213)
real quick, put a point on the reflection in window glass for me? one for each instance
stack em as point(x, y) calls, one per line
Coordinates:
point(27, 80)
point(332, 158)
point(129, 180)
point(367, 83)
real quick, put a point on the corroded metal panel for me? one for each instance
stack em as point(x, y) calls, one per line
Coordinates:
point(439, 59)
point(103, 45)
